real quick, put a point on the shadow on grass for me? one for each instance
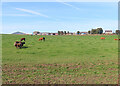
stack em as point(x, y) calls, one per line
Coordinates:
point(24, 47)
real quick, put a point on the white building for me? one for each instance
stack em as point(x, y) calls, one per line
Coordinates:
point(36, 33)
point(108, 31)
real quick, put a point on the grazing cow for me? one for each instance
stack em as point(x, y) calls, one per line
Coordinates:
point(22, 39)
point(23, 43)
point(43, 38)
point(19, 44)
point(115, 39)
point(102, 38)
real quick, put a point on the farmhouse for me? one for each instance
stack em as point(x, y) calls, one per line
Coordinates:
point(70, 33)
point(108, 31)
point(36, 33)
point(45, 33)
point(83, 33)
point(54, 33)
point(49, 34)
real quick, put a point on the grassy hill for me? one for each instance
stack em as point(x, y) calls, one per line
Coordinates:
point(60, 60)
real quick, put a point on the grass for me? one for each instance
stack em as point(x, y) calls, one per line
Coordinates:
point(60, 60)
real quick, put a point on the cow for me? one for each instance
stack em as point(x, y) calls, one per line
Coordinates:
point(19, 44)
point(22, 39)
point(23, 43)
point(102, 38)
point(115, 39)
point(43, 38)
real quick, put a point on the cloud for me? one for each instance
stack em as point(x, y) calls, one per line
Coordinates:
point(68, 4)
point(16, 15)
point(32, 12)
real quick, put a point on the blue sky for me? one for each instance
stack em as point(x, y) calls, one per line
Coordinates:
point(53, 16)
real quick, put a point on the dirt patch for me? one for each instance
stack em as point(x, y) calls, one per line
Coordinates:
point(58, 74)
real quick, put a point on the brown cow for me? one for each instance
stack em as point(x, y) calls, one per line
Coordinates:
point(22, 39)
point(102, 38)
point(19, 44)
point(43, 38)
point(115, 39)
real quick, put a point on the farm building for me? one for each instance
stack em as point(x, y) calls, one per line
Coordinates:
point(83, 33)
point(54, 33)
point(74, 33)
point(36, 33)
point(70, 33)
point(49, 34)
point(108, 31)
point(45, 33)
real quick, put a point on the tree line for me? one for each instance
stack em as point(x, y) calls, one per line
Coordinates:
point(92, 31)
point(63, 32)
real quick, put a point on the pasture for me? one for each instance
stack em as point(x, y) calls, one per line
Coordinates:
point(60, 60)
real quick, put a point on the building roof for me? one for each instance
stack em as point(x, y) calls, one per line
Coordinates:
point(108, 30)
point(83, 32)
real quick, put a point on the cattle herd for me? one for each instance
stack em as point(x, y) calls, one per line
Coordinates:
point(19, 44)
point(104, 38)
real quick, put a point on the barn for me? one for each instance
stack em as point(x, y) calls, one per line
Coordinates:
point(83, 33)
point(36, 33)
point(108, 31)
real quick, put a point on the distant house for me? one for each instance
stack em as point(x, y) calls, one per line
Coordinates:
point(49, 33)
point(74, 33)
point(53, 33)
point(45, 33)
point(108, 31)
point(83, 33)
point(36, 33)
point(19, 33)
point(56, 33)
point(70, 33)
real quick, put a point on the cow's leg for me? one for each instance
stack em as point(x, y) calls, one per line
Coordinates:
point(17, 46)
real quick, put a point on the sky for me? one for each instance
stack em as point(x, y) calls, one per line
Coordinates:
point(53, 16)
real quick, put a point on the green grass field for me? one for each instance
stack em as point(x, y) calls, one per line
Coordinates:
point(60, 60)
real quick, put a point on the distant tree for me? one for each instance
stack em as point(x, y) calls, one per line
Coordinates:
point(65, 32)
point(89, 32)
point(61, 32)
point(99, 30)
point(93, 31)
point(117, 32)
point(78, 32)
point(58, 32)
